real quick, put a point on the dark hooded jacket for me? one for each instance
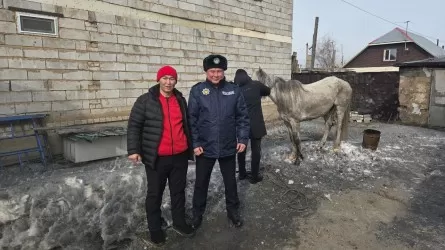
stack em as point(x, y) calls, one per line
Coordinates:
point(145, 125)
point(252, 92)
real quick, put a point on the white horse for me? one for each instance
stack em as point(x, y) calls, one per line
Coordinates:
point(329, 98)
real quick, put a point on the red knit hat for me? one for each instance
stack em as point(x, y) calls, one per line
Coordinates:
point(166, 70)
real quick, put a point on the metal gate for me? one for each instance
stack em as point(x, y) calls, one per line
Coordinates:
point(437, 99)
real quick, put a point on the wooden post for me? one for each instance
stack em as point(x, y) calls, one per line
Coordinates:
point(294, 64)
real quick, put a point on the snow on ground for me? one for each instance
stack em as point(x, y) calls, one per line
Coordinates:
point(91, 206)
point(95, 205)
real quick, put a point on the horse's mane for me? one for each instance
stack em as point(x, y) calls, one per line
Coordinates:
point(288, 86)
point(282, 86)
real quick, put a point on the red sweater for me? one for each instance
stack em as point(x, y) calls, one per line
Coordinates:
point(173, 139)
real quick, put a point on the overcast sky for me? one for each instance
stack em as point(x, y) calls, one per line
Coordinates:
point(354, 28)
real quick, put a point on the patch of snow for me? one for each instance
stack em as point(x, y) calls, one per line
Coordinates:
point(390, 147)
point(397, 159)
point(86, 210)
point(416, 109)
point(355, 153)
point(429, 138)
point(436, 173)
point(328, 196)
point(73, 182)
point(11, 208)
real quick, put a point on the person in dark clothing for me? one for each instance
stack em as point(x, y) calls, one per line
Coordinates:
point(159, 137)
point(252, 92)
point(219, 124)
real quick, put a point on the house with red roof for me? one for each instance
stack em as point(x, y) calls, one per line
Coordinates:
point(396, 46)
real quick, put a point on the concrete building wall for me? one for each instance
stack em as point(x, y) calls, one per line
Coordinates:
point(422, 96)
point(107, 52)
point(414, 95)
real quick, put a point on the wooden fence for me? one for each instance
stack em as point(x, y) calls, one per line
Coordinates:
point(375, 93)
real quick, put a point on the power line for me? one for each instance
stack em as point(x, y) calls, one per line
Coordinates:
point(386, 20)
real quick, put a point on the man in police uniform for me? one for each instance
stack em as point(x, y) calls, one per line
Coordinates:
point(220, 129)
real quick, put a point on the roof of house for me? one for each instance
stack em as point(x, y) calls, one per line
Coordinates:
point(398, 35)
point(430, 62)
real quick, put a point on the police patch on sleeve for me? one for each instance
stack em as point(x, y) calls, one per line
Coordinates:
point(205, 91)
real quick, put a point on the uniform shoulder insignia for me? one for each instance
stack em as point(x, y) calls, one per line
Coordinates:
point(196, 84)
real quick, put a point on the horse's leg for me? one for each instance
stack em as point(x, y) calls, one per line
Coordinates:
point(328, 122)
point(292, 157)
point(297, 142)
point(340, 114)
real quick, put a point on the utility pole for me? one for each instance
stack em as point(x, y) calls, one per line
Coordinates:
point(406, 33)
point(314, 42)
point(406, 30)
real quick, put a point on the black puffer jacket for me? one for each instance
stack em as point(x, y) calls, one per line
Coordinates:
point(145, 125)
point(252, 92)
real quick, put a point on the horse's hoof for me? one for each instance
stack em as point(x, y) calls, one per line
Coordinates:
point(336, 150)
point(290, 161)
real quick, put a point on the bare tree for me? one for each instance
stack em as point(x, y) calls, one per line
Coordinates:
point(326, 50)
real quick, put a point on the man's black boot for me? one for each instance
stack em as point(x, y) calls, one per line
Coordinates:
point(254, 180)
point(157, 237)
point(196, 222)
point(235, 218)
point(184, 229)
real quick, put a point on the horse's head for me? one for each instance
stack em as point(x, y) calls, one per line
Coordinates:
point(264, 78)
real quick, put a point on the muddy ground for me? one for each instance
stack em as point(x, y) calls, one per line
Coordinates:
point(391, 198)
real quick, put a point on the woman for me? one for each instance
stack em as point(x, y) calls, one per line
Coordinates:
point(159, 137)
point(252, 91)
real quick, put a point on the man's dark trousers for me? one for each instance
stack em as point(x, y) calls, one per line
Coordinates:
point(256, 157)
point(173, 168)
point(204, 167)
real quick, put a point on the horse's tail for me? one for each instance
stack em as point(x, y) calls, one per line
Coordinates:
point(345, 123)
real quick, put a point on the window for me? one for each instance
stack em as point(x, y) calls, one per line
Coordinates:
point(37, 24)
point(389, 54)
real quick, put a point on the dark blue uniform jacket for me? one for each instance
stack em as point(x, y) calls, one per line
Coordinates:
point(218, 118)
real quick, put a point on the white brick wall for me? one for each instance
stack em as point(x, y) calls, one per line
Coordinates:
point(101, 62)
